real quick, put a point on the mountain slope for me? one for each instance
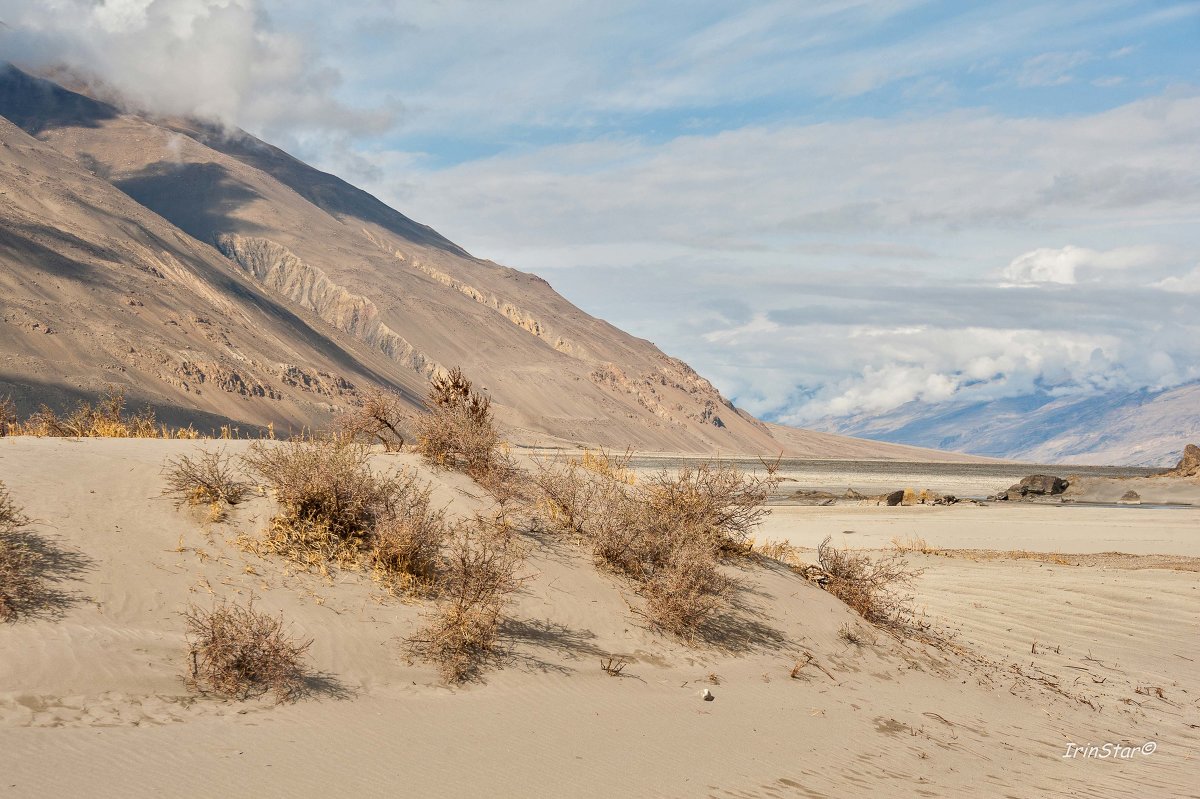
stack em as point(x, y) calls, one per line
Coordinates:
point(1139, 428)
point(99, 290)
point(410, 301)
point(218, 278)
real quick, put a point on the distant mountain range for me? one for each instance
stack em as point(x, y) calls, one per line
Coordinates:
point(1141, 428)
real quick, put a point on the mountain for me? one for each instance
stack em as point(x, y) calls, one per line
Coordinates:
point(1140, 428)
point(219, 279)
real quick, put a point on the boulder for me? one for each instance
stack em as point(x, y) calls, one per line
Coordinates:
point(1131, 497)
point(1037, 485)
point(894, 498)
point(1189, 464)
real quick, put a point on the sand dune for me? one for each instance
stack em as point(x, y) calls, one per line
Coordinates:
point(92, 702)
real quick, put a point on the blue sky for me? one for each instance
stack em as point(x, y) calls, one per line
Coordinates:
point(827, 207)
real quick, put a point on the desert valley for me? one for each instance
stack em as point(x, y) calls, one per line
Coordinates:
point(300, 498)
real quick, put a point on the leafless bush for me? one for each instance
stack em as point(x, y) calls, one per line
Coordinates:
point(687, 590)
point(321, 484)
point(382, 417)
point(208, 478)
point(8, 414)
point(783, 551)
point(717, 499)
point(877, 588)
point(462, 633)
point(668, 533)
point(459, 431)
point(238, 652)
point(105, 419)
point(575, 493)
point(407, 542)
point(335, 510)
point(851, 635)
point(613, 666)
point(19, 581)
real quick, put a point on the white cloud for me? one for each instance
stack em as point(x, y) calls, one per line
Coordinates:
point(1065, 265)
point(1188, 283)
point(220, 59)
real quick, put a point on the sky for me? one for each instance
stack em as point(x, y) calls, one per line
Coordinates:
point(829, 208)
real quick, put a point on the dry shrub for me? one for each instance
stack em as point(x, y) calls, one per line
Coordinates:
point(321, 484)
point(105, 419)
point(407, 543)
point(687, 590)
point(717, 499)
point(381, 417)
point(20, 585)
point(876, 588)
point(911, 543)
point(335, 510)
point(459, 431)
point(783, 551)
point(462, 633)
point(238, 652)
point(206, 479)
point(8, 415)
point(667, 533)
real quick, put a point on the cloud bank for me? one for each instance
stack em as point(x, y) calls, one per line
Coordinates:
point(220, 59)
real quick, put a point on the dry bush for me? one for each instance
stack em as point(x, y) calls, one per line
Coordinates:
point(20, 585)
point(462, 633)
point(459, 431)
point(911, 543)
point(667, 533)
point(574, 493)
point(238, 652)
point(687, 590)
point(321, 484)
point(876, 588)
point(335, 510)
point(783, 551)
point(382, 417)
point(206, 479)
point(8, 415)
point(407, 543)
point(716, 498)
point(105, 419)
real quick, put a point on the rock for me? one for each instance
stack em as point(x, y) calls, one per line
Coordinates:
point(1131, 498)
point(707, 695)
point(894, 498)
point(853, 495)
point(1035, 485)
point(1043, 484)
point(806, 496)
point(1189, 464)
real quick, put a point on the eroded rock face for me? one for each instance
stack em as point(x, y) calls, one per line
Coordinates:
point(1189, 464)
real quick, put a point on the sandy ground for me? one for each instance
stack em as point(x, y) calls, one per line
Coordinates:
point(1044, 655)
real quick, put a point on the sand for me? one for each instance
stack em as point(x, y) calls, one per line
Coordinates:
point(92, 703)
